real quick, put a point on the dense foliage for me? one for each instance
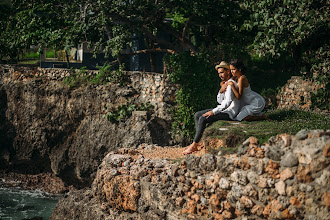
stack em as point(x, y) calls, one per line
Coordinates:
point(287, 26)
point(8, 46)
point(111, 25)
point(37, 23)
point(299, 29)
point(199, 84)
point(123, 112)
point(274, 37)
point(105, 75)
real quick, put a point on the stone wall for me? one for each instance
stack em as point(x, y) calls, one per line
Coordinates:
point(296, 93)
point(155, 88)
point(286, 178)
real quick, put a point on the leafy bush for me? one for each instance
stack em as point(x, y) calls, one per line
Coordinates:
point(320, 99)
point(198, 85)
point(77, 78)
point(123, 112)
point(270, 95)
point(106, 74)
point(31, 55)
point(319, 71)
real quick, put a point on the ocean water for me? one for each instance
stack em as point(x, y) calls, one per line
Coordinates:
point(18, 204)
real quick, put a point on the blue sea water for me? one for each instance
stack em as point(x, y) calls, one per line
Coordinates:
point(18, 204)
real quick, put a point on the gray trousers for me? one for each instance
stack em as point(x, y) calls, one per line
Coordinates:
point(201, 121)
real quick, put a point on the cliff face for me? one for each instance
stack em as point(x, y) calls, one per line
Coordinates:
point(287, 178)
point(47, 127)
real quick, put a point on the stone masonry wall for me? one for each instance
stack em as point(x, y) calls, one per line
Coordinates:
point(155, 88)
point(286, 178)
point(296, 93)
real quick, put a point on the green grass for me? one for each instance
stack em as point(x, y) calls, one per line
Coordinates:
point(36, 55)
point(282, 121)
point(33, 61)
point(224, 150)
point(50, 54)
point(31, 55)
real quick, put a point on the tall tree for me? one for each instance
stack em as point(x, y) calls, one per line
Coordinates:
point(111, 25)
point(288, 26)
point(8, 46)
point(296, 28)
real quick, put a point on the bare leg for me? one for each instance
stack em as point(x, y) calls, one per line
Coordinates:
point(201, 122)
point(191, 148)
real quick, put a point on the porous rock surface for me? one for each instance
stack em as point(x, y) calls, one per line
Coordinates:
point(47, 127)
point(286, 178)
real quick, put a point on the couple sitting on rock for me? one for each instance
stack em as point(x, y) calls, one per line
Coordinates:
point(236, 101)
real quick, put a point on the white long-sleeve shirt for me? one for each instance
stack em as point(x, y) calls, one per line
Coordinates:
point(220, 97)
point(229, 103)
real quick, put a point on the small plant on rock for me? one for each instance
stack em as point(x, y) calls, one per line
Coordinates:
point(106, 74)
point(123, 112)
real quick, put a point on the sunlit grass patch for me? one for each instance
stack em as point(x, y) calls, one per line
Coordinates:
point(281, 121)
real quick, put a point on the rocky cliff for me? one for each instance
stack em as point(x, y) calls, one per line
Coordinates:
point(47, 127)
point(286, 178)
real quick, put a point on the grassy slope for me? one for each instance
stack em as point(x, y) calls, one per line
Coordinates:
point(282, 121)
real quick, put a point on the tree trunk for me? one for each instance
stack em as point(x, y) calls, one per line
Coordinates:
point(67, 59)
point(297, 58)
point(152, 62)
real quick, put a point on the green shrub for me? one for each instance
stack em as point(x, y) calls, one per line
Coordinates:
point(122, 112)
point(317, 65)
point(198, 84)
point(106, 74)
point(77, 78)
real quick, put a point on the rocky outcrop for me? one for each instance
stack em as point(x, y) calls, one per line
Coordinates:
point(296, 93)
point(47, 127)
point(47, 182)
point(286, 178)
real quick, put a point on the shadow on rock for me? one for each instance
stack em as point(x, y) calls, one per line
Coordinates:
point(7, 132)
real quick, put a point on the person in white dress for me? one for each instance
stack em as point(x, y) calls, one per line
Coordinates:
point(227, 108)
point(251, 103)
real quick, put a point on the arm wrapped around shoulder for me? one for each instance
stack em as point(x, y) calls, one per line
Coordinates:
point(229, 96)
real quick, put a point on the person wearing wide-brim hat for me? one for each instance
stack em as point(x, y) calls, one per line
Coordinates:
point(227, 108)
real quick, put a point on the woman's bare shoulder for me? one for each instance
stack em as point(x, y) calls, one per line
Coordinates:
point(243, 79)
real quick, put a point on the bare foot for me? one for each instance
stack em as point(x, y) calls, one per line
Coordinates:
point(190, 149)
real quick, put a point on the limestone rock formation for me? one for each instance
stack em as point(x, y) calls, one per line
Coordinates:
point(45, 126)
point(252, 185)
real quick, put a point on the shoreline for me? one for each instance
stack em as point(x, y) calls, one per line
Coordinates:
point(46, 182)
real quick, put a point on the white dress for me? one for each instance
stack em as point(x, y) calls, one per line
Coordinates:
point(251, 103)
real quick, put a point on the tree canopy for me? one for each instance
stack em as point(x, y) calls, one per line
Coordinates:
point(288, 27)
point(111, 25)
point(219, 28)
point(291, 35)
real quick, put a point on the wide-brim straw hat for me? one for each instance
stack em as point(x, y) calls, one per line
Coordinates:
point(223, 64)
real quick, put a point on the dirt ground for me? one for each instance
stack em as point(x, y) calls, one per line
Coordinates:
point(176, 152)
